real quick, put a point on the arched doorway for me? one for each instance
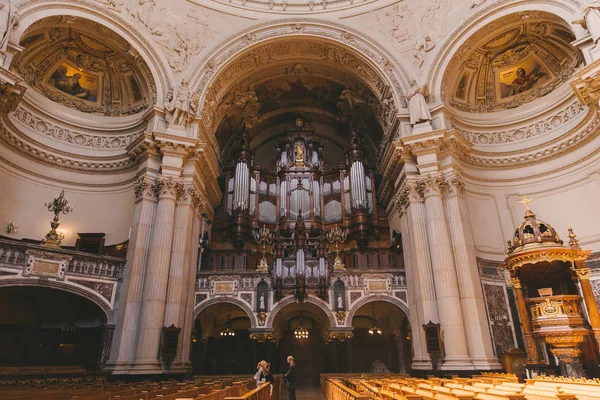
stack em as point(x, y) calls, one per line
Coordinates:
point(311, 352)
point(382, 340)
point(221, 341)
point(43, 326)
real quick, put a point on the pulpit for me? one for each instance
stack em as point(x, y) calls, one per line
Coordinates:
point(552, 289)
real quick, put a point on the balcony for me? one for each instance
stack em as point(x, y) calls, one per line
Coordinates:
point(93, 276)
point(556, 313)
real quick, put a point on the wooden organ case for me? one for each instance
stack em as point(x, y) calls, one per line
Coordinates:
point(299, 198)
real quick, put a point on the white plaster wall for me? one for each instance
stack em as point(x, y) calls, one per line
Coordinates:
point(108, 210)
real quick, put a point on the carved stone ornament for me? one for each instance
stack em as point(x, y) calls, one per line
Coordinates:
point(104, 289)
point(46, 264)
point(341, 317)
point(62, 134)
point(262, 318)
point(430, 185)
point(143, 188)
point(168, 187)
point(181, 105)
point(182, 37)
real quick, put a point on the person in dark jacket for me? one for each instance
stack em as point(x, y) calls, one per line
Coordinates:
point(290, 377)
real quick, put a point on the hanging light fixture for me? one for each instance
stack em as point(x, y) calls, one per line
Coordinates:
point(374, 330)
point(227, 330)
point(301, 332)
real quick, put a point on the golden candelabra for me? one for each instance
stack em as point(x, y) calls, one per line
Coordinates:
point(263, 236)
point(337, 236)
point(58, 205)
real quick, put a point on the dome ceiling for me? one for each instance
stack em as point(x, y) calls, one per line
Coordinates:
point(510, 62)
point(84, 65)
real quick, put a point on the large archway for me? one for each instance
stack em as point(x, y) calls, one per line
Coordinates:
point(44, 326)
point(221, 341)
point(382, 339)
point(313, 352)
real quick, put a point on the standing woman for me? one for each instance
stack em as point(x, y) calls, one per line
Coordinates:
point(265, 373)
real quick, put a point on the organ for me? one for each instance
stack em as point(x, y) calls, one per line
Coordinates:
point(299, 197)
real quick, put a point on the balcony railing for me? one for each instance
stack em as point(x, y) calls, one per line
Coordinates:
point(13, 254)
point(553, 312)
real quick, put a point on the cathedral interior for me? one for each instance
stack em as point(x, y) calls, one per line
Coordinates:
point(386, 186)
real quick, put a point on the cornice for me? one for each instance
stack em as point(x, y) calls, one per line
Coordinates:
point(59, 133)
point(34, 150)
point(583, 133)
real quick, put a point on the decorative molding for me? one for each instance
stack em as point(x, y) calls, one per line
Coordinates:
point(61, 134)
point(59, 159)
point(548, 124)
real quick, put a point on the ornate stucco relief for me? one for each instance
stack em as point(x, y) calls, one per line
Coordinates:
point(548, 124)
point(61, 134)
point(181, 30)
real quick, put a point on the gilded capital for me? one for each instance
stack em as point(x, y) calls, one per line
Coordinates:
point(583, 274)
point(515, 282)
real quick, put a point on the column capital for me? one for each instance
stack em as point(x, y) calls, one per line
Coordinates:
point(406, 194)
point(167, 187)
point(515, 282)
point(144, 189)
point(431, 185)
point(583, 274)
point(456, 185)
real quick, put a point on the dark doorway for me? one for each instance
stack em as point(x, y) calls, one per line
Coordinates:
point(309, 355)
point(43, 326)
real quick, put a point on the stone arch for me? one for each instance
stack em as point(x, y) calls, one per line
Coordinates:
point(323, 306)
point(370, 299)
point(67, 287)
point(567, 11)
point(231, 300)
point(386, 67)
point(31, 12)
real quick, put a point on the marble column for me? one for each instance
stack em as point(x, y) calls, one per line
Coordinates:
point(130, 299)
point(479, 338)
point(456, 356)
point(419, 271)
point(156, 277)
point(533, 354)
point(583, 275)
point(182, 272)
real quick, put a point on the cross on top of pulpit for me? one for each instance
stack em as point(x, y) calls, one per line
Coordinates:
point(526, 200)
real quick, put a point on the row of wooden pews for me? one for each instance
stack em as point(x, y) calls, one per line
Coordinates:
point(482, 387)
point(204, 388)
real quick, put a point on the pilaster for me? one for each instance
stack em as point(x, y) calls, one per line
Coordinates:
point(444, 270)
point(168, 190)
point(477, 331)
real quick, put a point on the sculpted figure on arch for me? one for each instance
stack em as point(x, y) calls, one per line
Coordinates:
point(591, 19)
point(417, 106)
point(180, 105)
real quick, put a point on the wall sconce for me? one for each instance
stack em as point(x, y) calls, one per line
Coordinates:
point(12, 227)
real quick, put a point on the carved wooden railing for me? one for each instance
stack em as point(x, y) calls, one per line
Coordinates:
point(333, 389)
point(268, 391)
point(13, 255)
point(548, 311)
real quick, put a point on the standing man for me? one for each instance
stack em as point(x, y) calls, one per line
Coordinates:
point(290, 377)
